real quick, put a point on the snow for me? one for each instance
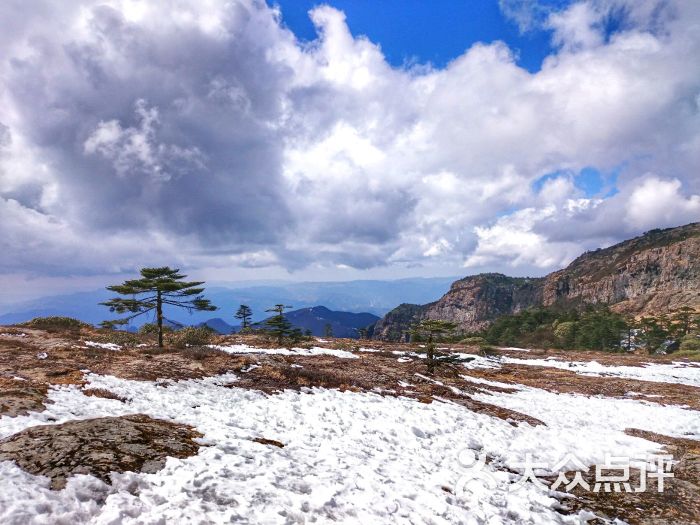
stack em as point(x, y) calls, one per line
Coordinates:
point(8, 334)
point(42, 355)
point(317, 350)
point(480, 381)
point(349, 457)
point(104, 346)
point(478, 361)
point(676, 372)
point(515, 349)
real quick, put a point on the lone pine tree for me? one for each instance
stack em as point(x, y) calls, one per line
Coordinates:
point(278, 324)
point(155, 288)
point(244, 314)
point(433, 329)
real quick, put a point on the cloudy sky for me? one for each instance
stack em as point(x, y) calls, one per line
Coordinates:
point(251, 140)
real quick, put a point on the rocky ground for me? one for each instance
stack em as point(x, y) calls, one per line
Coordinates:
point(35, 362)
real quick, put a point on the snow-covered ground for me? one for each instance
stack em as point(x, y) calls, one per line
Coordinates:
point(348, 457)
point(316, 350)
point(676, 372)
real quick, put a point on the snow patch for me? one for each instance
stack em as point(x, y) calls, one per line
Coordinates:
point(317, 350)
point(676, 372)
point(105, 346)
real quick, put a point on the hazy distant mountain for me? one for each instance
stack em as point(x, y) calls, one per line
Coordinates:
point(219, 325)
point(372, 296)
point(343, 324)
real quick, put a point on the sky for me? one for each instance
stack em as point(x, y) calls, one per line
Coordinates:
point(342, 140)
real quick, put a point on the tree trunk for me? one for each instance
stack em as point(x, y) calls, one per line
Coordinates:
point(431, 354)
point(159, 313)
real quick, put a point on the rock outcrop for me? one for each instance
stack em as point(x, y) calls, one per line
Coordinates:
point(135, 443)
point(650, 274)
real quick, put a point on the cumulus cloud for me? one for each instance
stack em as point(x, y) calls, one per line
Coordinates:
point(657, 203)
point(204, 133)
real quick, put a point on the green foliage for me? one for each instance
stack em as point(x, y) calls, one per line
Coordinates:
point(55, 322)
point(192, 336)
point(244, 315)
point(296, 335)
point(600, 329)
point(328, 330)
point(433, 330)
point(690, 343)
point(278, 325)
point(595, 328)
point(565, 332)
point(155, 288)
point(652, 333)
point(683, 321)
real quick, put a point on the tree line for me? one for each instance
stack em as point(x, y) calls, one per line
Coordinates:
point(595, 328)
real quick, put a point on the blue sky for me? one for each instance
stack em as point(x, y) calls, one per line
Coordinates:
point(434, 31)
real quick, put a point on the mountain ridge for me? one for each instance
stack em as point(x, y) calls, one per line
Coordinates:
point(654, 272)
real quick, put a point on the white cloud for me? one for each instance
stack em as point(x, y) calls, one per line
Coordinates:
point(657, 203)
point(576, 27)
point(204, 132)
point(513, 240)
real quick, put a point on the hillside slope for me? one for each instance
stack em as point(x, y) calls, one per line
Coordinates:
point(653, 273)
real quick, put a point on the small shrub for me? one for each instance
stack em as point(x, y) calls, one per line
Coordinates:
point(119, 337)
point(191, 336)
point(55, 322)
point(152, 329)
point(690, 343)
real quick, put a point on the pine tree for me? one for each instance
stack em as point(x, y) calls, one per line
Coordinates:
point(278, 324)
point(157, 287)
point(684, 320)
point(244, 313)
point(432, 329)
point(652, 333)
point(328, 330)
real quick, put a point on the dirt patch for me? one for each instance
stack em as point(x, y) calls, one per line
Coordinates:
point(134, 443)
point(19, 397)
point(265, 441)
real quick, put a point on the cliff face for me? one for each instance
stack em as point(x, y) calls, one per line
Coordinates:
point(477, 300)
point(650, 274)
point(394, 324)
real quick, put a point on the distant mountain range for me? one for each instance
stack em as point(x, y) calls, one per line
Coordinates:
point(342, 324)
point(365, 296)
point(315, 319)
point(648, 275)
